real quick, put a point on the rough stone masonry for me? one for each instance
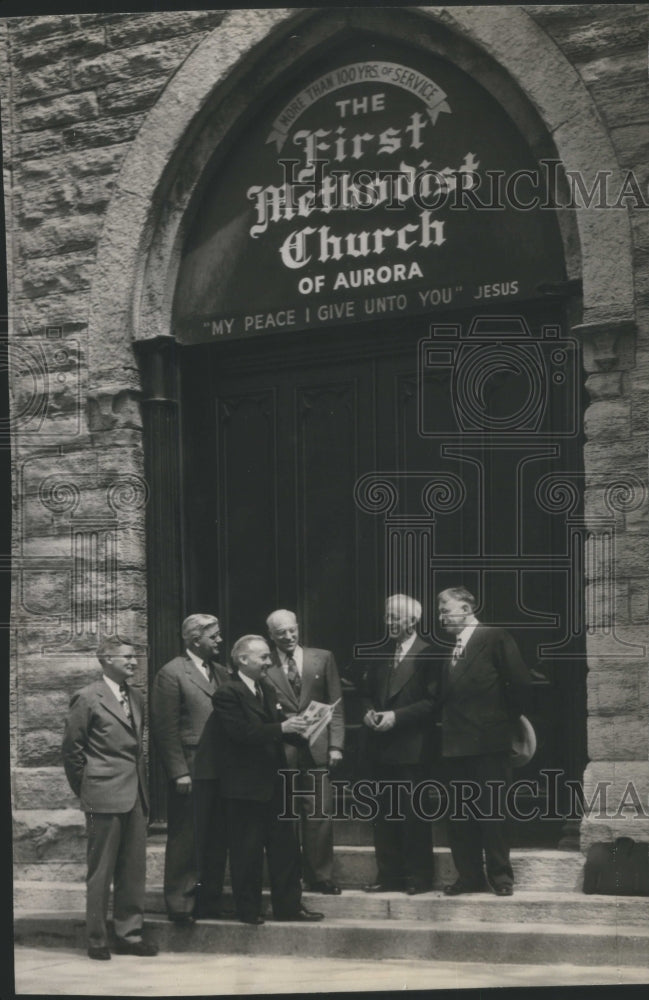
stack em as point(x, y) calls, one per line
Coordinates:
point(76, 90)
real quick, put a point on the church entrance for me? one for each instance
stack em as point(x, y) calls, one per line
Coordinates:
point(378, 393)
point(290, 445)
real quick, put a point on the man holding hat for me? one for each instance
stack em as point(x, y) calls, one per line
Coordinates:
point(484, 683)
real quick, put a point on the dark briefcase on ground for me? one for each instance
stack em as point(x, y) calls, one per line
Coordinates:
point(617, 868)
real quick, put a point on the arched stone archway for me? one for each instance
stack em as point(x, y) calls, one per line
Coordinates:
point(161, 177)
point(138, 248)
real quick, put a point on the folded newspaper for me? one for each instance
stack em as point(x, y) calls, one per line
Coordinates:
point(317, 715)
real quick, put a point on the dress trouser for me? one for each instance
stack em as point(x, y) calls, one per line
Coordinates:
point(480, 824)
point(181, 873)
point(253, 827)
point(316, 831)
point(403, 847)
point(210, 827)
point(117, 853)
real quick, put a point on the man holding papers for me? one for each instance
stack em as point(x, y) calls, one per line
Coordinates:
point(252, 734)
point(301, 675)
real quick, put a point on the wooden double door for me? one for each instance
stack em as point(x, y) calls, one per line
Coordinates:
point(321, 472)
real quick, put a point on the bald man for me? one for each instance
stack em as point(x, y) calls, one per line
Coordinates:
point(301, 674)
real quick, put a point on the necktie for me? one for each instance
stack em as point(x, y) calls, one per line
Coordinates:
point(259, 693)
point(209, 670)
point(124, 702)
point(397, 656)
point(457, 652)
point(294, 678)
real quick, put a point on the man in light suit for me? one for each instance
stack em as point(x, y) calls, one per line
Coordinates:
point(398, 701)
point(104, 764)
point(301, 675)
point(483, 692)
point(252, 732)
point(196, 838)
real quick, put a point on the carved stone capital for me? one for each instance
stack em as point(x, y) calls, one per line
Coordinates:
point(113, 408)
point(609, 345)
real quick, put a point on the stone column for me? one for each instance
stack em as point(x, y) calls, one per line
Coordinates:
point(616, 780)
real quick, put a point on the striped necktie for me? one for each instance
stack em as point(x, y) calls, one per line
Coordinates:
point(293, 676)
point(124, 702)
point(458, 651)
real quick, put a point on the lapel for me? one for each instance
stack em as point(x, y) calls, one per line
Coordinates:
point(476, 643)
point(251, 701)
point(279, 680)
point(196, 677)
point(309, 666)
point(385, 677)
point(111, 704)
point(136, 712)
point(405, 670)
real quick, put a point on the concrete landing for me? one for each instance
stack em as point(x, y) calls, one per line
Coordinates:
point(466, 940)
point(70, 973)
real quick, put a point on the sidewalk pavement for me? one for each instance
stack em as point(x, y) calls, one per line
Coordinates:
point(56, 972)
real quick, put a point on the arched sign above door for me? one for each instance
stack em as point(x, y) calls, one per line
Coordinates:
point(384, 182)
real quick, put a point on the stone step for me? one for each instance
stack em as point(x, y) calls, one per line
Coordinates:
point(468, 940)
point(534, 868)
point(526, 906)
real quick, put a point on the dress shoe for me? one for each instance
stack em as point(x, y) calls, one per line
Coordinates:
point(326, 887)
point(383, 887)
point(414, 888)
point(182, 919)
point(142, 948)
point(304, 915)
point(101, 954)
point(459, 887)
point(504, 890)
point(255, 921)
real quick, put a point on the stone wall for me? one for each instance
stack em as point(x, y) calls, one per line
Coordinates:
point(77, 90)
point(607, 44)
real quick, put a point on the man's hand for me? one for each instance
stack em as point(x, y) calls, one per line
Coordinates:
point(335, 757)
point(293, 725)
point(370, 718)
point(386, 722)
point(184, 785)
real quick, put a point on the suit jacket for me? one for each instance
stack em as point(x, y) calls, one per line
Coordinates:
point(483, 694)
point(102, 751)
point(409, 692)
point(250, 740)
point(320, 682)
point(181, 704)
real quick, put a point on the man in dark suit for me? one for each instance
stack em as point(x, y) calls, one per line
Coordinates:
point(196, 838)
point(104, 764)
point(484, 684)
point(398, 702)
point(301, 675)
point(252, 730)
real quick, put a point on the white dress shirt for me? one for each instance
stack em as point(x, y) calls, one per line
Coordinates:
point(198, 663)
point(405, 645)
point(298, 656)
point(463, 637)
point(248, 681)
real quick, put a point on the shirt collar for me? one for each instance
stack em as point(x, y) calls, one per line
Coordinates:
point(196, 660)
point(114, 687)
point(296, 654)
point(248, 681)
point(407, 643)
point(467, 632)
